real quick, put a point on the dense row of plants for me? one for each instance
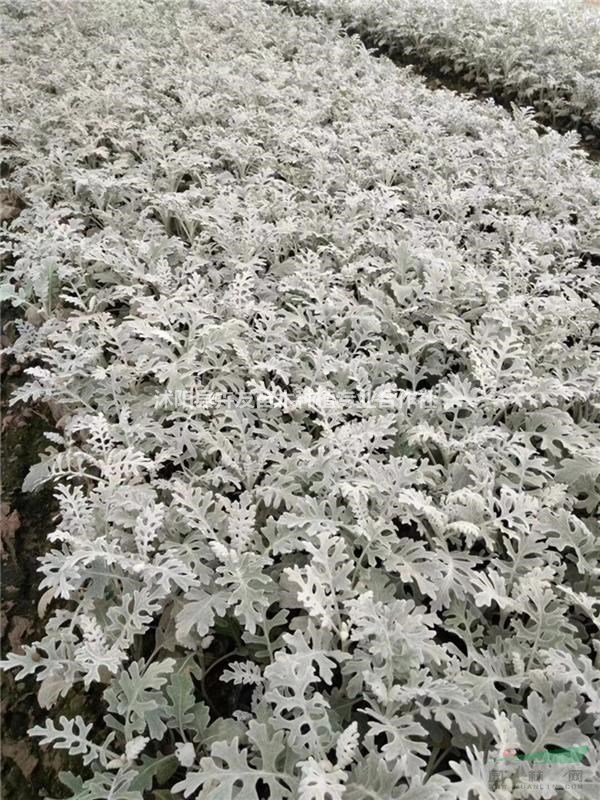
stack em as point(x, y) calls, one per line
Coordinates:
point(322, 347)
point(539, 53)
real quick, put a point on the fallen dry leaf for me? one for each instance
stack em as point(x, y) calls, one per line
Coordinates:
point(20, 753)
point(19, 632)
point(10, 522)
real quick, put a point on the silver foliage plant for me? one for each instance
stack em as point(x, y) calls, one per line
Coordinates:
point(540, 53)
point(222, 198)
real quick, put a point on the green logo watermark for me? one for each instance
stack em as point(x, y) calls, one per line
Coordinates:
point(566, 755)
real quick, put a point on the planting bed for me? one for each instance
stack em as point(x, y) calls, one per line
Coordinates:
point(539, 53)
